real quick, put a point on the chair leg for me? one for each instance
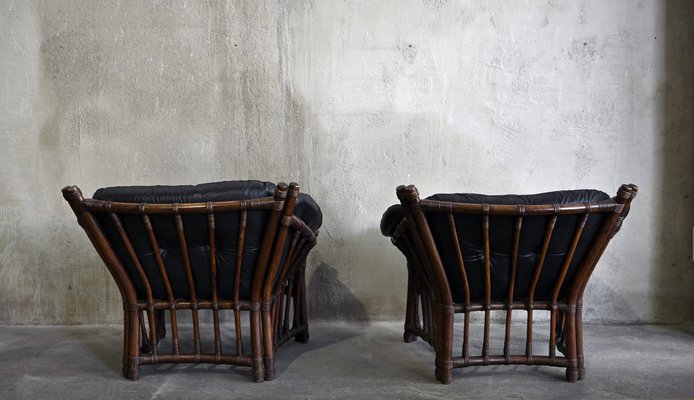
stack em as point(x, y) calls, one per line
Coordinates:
point(428, 322)
point(408, 337)
point(570, 332)
point(443, 345)
point(160, 320)
point(561, 333)
point(131, 345)
point(579, 341)
point(302, 337)
point(300, 305)
point(268, 342)
point(146, 346)
point(411, 312)
point(160, 316)
point(256, 346)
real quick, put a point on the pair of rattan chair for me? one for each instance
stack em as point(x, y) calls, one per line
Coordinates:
point(205, 254)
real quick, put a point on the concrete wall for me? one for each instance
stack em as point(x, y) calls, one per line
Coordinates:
point(348, 98)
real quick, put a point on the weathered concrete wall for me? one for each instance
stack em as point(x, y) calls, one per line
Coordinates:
point(349, 99)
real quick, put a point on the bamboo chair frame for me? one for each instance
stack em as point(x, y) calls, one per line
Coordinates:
point(430, 307)
point(277, 307)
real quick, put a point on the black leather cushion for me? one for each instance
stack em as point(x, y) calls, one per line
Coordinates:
point(197, 235)
point(501, 242)
point(391, 218)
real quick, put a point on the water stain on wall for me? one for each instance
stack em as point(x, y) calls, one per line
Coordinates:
point(350, 99)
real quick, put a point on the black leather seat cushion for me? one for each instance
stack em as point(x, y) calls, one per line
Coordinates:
point(501, 242)
point(197, 235)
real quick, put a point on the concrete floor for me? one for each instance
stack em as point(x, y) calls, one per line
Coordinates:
point(343, 361)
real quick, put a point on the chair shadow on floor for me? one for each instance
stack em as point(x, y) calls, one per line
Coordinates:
point(415, 359)
point(103, 342)
point(106, 344)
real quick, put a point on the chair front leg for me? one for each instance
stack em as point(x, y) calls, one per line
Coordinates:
point(443, 343)
point(570, 332)
point(268, 340)
point(256, 345)
point(579, 341)
point(131, 344)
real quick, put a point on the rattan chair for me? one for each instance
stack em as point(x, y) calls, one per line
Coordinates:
point(222, 248)
point(470, 253)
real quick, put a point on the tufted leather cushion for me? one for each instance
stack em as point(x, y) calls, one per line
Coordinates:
point(501, 242)
point(197, 235)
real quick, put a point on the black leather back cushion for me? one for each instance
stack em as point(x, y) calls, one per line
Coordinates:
point(196, 234)
point(501, 231)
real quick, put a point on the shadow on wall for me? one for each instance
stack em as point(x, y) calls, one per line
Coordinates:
point(605, 294)
point(673, 267)
point(331, 299)
point(373, 271)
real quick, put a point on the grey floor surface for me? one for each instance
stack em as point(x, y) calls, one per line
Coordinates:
point(342, 361)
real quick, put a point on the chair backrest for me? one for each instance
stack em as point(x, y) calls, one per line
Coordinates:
point(185, 242)
point(487, 249)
